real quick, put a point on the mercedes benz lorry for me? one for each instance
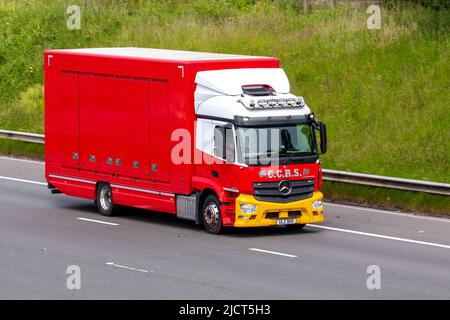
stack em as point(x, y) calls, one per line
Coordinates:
point(214, 138)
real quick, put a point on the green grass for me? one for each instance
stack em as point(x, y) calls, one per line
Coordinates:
point(384, 94)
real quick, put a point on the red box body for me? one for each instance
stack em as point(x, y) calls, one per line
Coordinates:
point(110, 119)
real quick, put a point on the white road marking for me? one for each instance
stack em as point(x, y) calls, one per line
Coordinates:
point(22, 180)
point(273, 252)
point(374, 235)
point(98, 221)
point(393, 213)
point(21, 160)
point(128, 268)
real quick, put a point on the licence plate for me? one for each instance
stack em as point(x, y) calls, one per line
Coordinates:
point(282, 222)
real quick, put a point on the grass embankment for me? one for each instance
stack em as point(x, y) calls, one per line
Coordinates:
point(384, 94)
point(21, 149)
point(421, 203)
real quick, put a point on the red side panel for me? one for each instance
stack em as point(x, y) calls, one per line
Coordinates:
point(159, 131)
point(70, 129)
point(53, 123)
point(96, 131)
point(131, 126)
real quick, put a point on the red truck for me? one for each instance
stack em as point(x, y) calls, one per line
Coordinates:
point(214, 138)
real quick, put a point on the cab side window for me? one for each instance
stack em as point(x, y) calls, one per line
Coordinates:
point(219, 141)
point(224, 146)
point(229, 145)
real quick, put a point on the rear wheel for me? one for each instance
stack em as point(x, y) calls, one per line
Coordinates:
point(212, 220)
point(104, 200)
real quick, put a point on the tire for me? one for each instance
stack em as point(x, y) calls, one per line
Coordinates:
point(104, 200)
point(212, 219)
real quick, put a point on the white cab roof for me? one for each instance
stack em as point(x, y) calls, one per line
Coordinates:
point(227, 107)
point(163, 54)
point(230, 81)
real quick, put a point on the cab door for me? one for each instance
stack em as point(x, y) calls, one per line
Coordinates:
point(224, 152)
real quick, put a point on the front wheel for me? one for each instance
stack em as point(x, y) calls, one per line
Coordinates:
point(212, 220)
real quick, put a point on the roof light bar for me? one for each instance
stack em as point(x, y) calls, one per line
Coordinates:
point(273, 103)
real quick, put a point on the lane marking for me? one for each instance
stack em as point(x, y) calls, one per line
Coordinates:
point(89, 182)
point(98, 221)
point(21, 160)
point(393, 213)
point(273, 252)
point(128, 268)
point(374, 235)
point(23, 180)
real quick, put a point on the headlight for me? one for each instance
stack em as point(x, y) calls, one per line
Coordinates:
point(248, 208)
point(317, 204)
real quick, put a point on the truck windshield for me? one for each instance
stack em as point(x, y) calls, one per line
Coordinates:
point(281, 144)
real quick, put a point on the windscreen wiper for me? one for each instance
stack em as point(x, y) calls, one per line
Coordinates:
point(288, 159)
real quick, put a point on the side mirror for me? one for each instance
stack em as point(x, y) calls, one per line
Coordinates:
point(323, 137)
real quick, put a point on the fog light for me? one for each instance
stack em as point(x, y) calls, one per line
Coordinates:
point(248, 208)
point(317, 204)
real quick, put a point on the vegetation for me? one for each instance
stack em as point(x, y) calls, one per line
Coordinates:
point(435, 4)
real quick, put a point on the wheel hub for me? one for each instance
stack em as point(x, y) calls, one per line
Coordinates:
point(105, 198)
point(211, 214)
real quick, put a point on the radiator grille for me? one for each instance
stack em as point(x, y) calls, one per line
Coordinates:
point(269, 191)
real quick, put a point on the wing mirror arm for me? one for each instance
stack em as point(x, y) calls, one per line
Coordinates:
point(322, 128)
point(323, 137)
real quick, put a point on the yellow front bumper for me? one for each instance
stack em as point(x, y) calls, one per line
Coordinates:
point(267, 213)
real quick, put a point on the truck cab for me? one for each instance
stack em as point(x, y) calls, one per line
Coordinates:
point(259, 151)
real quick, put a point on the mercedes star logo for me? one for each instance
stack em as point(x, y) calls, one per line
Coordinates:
point(285, 187)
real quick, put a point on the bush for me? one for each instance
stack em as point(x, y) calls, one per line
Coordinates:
point(27, 113)
point(434, 4)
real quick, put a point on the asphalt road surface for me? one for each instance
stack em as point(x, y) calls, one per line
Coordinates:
point(150, 255)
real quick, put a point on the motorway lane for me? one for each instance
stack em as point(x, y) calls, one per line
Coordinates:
point(40, 236)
